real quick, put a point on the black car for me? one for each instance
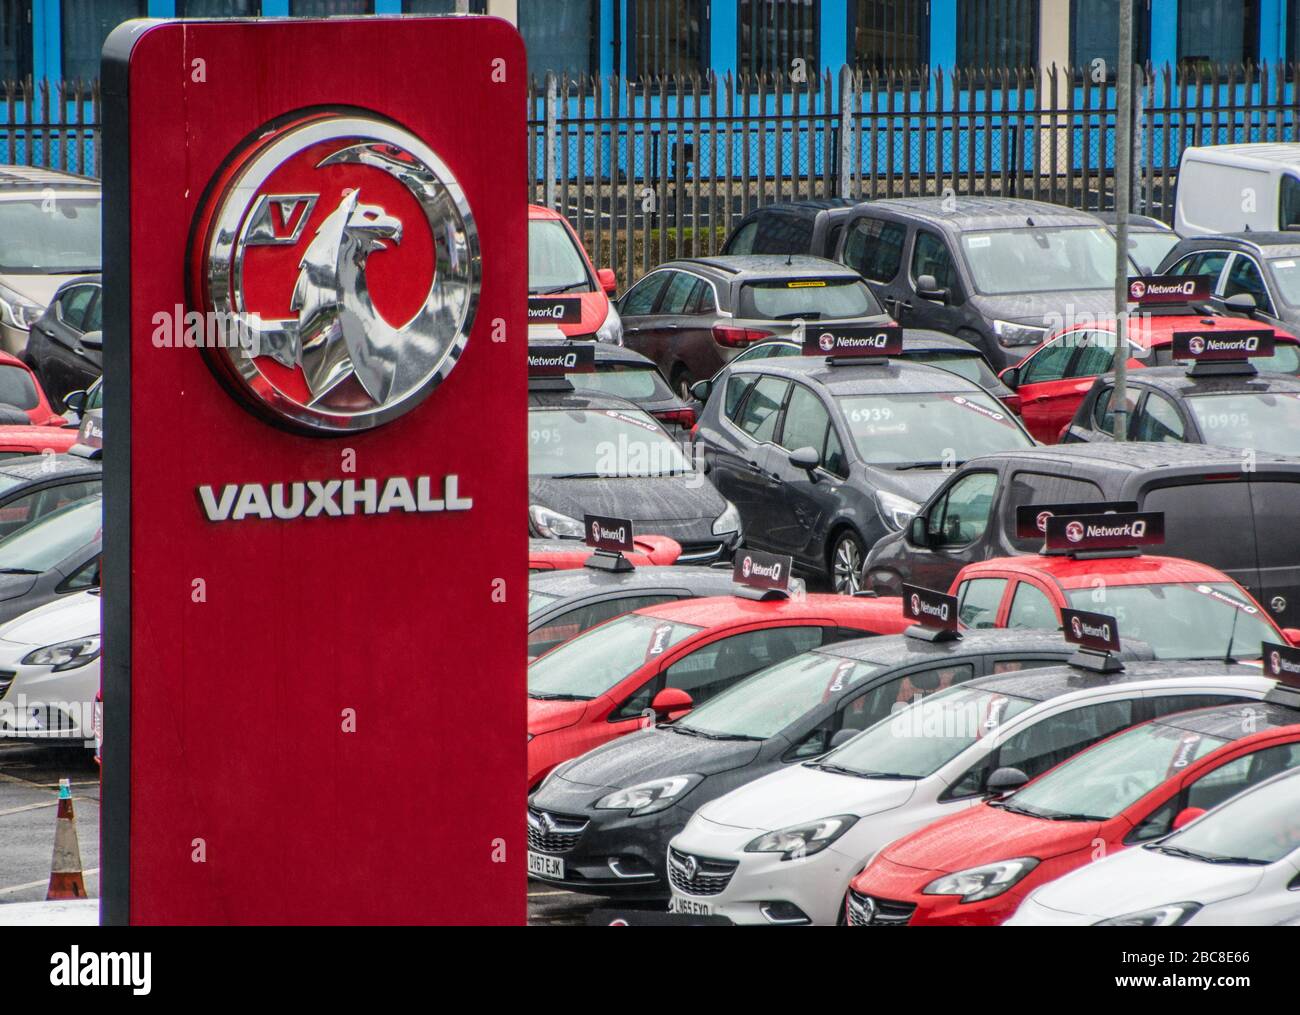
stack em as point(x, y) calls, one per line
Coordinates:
point(1250, 411)
point(598, 454)
point(1149, 239)
point(919, 346)
point(791, 227)
point(65, 347)
point(823, 458)
point(997, 272)
point(1217, 510)
point(629, 797)
point(1262, 266)
point(563, 604)
point(51, 557)
point(627, 374)
point(694, 316)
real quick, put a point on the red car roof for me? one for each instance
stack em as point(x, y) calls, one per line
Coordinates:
point(884, 616)
point(1158, 329)
point(1072, 573)
point(35, 439)
point(537, 211)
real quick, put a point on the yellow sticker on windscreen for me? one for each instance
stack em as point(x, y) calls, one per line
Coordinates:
point(806, 284)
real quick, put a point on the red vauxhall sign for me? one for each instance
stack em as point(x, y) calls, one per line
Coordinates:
point(315, 281)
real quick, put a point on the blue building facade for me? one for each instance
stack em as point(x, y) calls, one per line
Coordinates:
point(57, 39)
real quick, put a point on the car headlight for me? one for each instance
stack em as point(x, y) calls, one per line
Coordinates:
point(728, 521)
point(17, 311)
point(611, 328)
point(648, 797)
point(66, 655)
point(1173, 915)
point(1018, 334)
point(895, 510)
point(803, 840)
point(986, 882)
point(553, 525)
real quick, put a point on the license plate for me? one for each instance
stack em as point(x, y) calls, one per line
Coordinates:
point(545, 866)
point(689, 906)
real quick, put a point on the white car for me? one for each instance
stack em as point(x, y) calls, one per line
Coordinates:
point(782, 849)
point(49, 671)
point(1237, 865)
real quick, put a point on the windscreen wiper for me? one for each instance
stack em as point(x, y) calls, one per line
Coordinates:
point(543, 696)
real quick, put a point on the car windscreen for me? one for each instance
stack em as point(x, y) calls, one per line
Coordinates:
point(1050, 259)
point(923, 737)
point(590, 664)
point(1286, 273)
point(1182, 621)
point(17, 388)
point(971, 366)
point(1285, 358)
point(1097, 784)
point(1259, 421)
point(1258, 827)
point(766, 703)
point(37, 547)
point(600, 444)
point(632, 381)
point(933, 430)
point(808, 299)
point(1147, 250)
point(538, 601)
point(37, 241)
point(554, 263)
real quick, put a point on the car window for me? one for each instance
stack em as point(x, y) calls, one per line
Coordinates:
point(716, 666)
point(30, 507)
point(743, 240)
point(833, 459)
point(1244, 277)
point(627, 380)
point(574, 622)
point(17, 388)
point(681, 288)
point(881, 701)
point(85, 577)
point(1050, 362)
point(1096, 355)
point(963, 514)
point(874, 248)
point(1216, 786)
point(783, 234)
point(807, 298)
point(1032, 609)
point(640, 299)
point(930, 256)
point(74, 303)
point(806, 420)
point(978, 600)
point(737, 385)
point(769, 350)
point(1201, 262)
point(1159, 421)
point(759, 415)
point(702, 299)
point(95, 316)
point(1103, 413)
point(1051, 740)
point(1044, 488)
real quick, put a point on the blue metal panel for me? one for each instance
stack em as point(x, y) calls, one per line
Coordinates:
point(47, 40)
point(1272, 29)
point(388, 6)
point(943, 33)
point(162, 8)
point(834, 35)
point(605, 39)
point(722, 35)
point(275, 8)
point(1164, 32)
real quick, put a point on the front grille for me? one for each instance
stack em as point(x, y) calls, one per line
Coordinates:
point(696, 875)
point(553, 833)
point(6, 678)
point(699, 551)
point(867, 911)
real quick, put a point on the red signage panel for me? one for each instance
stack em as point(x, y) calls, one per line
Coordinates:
point(315, 281)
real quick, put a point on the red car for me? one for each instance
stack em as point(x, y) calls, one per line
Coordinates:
point(1052, 380)
point(655, 664)
point(21, 439)
point(566, 554)
point(20, 389)
point(974, 868)
point(558, 265)
point(1181, 608)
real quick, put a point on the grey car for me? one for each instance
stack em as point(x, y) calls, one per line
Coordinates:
point(822, 459)
point(1262, 269)
point(54, 556)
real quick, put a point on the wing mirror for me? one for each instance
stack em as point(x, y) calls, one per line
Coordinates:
point(75, 401)
point(1187, 815)
point(843, 737)
point(1010, 377)
point(805, 458)
point(671, 703)
point(700, 390)
point(918, 532)
point(608, 281)
point(928, 288)
point(1241, 303)
point(1004, 781)
point(93, 339)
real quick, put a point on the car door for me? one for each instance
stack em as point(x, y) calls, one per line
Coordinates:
point(955, 524)
point(750, 483)
point(1273, 501)
point(801, 501)
point(637, 311)
point(1044, 386)
point(62, 370)
point(873, 247)
point(931, 255)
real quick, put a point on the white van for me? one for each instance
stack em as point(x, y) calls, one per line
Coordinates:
point(1234, 187)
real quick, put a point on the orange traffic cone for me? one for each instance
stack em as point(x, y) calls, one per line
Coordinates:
point(66, 881)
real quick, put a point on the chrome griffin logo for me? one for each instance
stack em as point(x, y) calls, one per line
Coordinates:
point(344, 251)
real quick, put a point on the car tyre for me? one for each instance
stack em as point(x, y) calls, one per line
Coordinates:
point(846, 559)
point(682, 381)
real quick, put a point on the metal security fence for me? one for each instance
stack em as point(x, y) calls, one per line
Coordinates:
point(55, 125)
point(662, 167)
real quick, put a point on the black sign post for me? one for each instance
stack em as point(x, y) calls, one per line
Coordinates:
point(934, 614)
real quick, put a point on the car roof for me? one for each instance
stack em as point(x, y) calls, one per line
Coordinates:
point(20, 177)
point(1279, 243)
point(804, 208)
point(1142, 223)
point(35, 467)
point(1177, 381)
point(579, 399)
point(1226, 721)
point(1046, 682)
point(1135, 456)
point(901, 649)
point(726, 611)
point(985, 212)
point(1073, 573)
point(742, 266)
point(605, 352)
point(584, 581)
point(539, 211)
point(1151, 329)
point(1252, 152)
point(892, 377)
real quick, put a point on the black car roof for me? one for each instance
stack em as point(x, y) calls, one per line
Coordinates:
point(1135, 456)
point(1277, 242)
point(1052, 681)
point(900, 650)
point(577, 582)
point(1176, 381)
point(606, 352)
point(894, 377)
point(579, 399)
point(1226, 720)
point(30, 468)
point(737, 266)
point(805, 208)
point(985, 212)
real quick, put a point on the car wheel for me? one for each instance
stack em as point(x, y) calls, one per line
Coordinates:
point(682, 381)
point(846, 559)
